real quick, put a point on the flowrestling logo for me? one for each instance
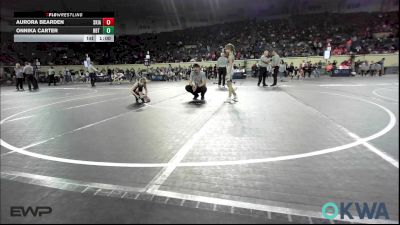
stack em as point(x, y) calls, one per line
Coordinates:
point(376, 210)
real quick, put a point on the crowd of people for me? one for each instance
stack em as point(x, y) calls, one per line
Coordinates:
point(307, 69)
point(297, 35)
point(261, 69)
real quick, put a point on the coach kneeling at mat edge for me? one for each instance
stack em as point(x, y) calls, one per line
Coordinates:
point(197, 82)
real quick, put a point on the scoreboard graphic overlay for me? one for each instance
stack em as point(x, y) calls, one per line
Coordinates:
point(64, 26)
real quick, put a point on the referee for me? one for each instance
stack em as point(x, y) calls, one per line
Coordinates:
point(221, 64)
point(28, 71)
point(262, 74)
point(275, 60)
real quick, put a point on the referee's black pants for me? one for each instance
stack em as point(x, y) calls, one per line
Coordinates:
point(262, 74)
point(275, 75)
point(52, 79)
point(30, 80)
point(92, 78)
point(221, 75)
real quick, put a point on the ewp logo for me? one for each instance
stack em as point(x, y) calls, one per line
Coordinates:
point(330, 210)
point(18, 211)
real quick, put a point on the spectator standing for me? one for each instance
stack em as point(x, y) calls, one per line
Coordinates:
point(382, 71)
point(92, 74)
point(51, 74)
point(19, 75)
point(282, 69)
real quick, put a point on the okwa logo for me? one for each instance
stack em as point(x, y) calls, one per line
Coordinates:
point(365, 211)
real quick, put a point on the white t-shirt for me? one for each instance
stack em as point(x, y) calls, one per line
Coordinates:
point(51, 71)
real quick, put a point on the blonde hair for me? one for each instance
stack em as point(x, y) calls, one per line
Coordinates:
point(142, 80)
point(231, 47)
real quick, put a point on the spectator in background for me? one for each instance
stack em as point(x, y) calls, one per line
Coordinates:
point(378, 69)
point(334, 65)
point(372, 68)
point(357, 65)
point(209, 71)
point(61, 77)
point(299, 35)
point(309, 68)
point(37, 69)
point(92, 74)
point(19, 77)
point(303, 67)
point(328, 68)
point(87, 77)
point(72, 75)
point(290, 70)
point(364, 68)
point(296, 73)
point(382, 62)
point(51, 75)
point(67, 75)
point(133, 75)
point(215, 71)
point(87, 58)
point(315, 70)
point(281, 70)
point(109, 75)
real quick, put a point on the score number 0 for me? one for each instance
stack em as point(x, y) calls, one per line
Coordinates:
point(108, 21)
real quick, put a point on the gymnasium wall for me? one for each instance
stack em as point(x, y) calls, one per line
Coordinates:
point(391, 60)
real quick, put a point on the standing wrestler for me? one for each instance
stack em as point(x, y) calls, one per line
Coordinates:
point(230, 52)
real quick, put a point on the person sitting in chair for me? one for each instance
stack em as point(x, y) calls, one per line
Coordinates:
point(118, 77)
